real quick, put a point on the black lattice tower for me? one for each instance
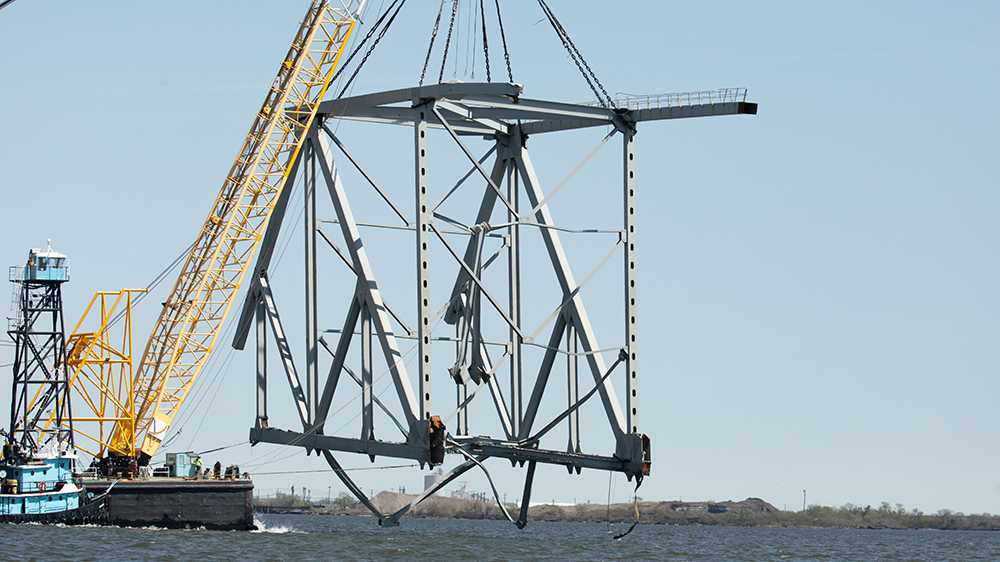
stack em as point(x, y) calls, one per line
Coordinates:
point(40, 384)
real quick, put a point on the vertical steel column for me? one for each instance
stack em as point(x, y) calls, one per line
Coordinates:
point(367, 420)
point(423, 216)
point(261, 322)
point(312, 330)
point(529, 480)
point(632, 382)
point(572, 389)
point(461, 390)
point(514, 300)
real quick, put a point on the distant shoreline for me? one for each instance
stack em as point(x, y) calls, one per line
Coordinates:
point(752, 512)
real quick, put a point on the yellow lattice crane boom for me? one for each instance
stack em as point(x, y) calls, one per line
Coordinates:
point(193, 314)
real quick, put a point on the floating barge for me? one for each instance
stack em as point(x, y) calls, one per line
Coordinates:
point(177, 503)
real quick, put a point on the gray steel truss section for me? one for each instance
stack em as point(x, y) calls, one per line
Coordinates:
point(529, 480)
point(629, 224)
point(657, 114)
point(475, 280)
point(264, 258)
point(445, 479)
point(462, 284)
point(406, 117)
point(339, 356)
point(529, 109)
point(311, 440)
point(542, 380)
point(344, 107)
point(342, 474)
point(483, 446)
point(311, 328)
point(372, 295)
point(423, 222)
point(513, 243)
point(497, 112)
point(568, 284)
point(481, 361)
point(367, 417)
point(365, 175)
point(466, 115)
point(572, 390)
point(357, 380)
point(261, 324)
point(284, 350)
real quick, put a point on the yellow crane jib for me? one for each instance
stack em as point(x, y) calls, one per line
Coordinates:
point(192, 315)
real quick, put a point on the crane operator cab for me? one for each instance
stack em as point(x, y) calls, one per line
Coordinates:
point(46, 265)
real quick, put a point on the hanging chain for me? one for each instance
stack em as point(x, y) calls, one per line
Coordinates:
point(486, 41)
point(430, 47)
point(447, 43)
point(374, 44)
point(503, 38)
point(577, 57)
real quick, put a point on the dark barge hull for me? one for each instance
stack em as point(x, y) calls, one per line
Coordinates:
point(176, 503)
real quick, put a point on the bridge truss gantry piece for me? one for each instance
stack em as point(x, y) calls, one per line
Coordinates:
point(499, 114)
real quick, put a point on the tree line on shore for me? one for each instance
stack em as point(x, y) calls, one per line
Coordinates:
point(883, 516)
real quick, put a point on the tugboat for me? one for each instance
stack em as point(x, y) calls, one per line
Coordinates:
point(37, 469)
point(41, 488)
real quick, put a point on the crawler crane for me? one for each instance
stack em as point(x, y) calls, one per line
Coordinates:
point(193, 314)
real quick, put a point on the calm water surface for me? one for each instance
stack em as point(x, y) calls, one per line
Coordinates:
point(354, 538)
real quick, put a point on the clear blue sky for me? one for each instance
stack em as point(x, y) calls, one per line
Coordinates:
point(818, 285)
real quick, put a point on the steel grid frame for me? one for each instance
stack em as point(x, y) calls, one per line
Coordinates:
point(497, 113)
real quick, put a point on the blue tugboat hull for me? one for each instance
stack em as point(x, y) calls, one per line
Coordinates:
point(92, 511)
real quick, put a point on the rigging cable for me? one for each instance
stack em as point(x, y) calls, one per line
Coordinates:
point(486, 42)
point(577, 58)
point(503, 38)
point(430, 46)
point(374, 44)
point(357, 48)
point(447, 42)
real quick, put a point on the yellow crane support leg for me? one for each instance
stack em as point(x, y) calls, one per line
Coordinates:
point(100, 376)
point(192, 316)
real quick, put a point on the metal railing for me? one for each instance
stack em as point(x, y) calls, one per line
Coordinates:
point(677, 99)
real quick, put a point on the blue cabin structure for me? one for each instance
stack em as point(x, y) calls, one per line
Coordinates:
point(38, 486)
point(46, 265)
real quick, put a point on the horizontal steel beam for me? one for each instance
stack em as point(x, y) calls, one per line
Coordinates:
point(346, 106)
point(512, 451)
point(655, 114)
point(313, 441)
point(407, 116)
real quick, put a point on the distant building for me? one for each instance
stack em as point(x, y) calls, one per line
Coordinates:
point(433, 478)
